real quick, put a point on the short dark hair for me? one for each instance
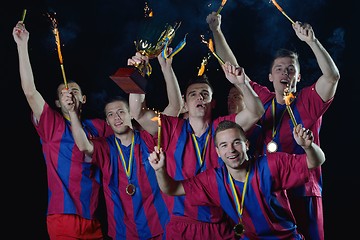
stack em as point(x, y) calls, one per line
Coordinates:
point(226, 124)
point(199, 79)
point(286, 53)
point(111, 99)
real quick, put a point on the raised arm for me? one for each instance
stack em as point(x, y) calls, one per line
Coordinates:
point(34, 98)
point(222, 48)
point(304, 137)
point(138, 109)
point(254, 108)
point(81, 140)
point(326, 85)
point(166, 183)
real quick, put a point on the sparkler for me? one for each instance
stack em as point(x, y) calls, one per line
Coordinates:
point(158, 119)
point(288, 97)
point(58, 45)
point(23, 16)
point(221, 6)
point(202, 67)
point(210, 45)
point(282, 11)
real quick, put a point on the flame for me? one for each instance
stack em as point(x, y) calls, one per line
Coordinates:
point(55, 30)
point(288, 98)
point(202, 67)
point(211, 45)
point(223, 2)
point(148, 11)
point(282, 11)
point(277, 5)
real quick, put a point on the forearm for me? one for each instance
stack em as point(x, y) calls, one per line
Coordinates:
point(167, 184)
point(81, 140)
point(173, 92)
point(326, 63)
point(254, 107)
point(222, 48)
point(315, 155)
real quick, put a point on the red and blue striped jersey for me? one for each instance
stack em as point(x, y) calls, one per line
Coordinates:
point(266, 210)
point(183, 162)
point(73, 185)
point(144, 214)
point(308, 109)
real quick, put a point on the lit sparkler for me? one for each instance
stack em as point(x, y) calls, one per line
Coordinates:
point(210, 45)
point(221, 6)
point(202, 67)
point(58, 45)
point(282, 11)
point(158, 119)
point(289, 97)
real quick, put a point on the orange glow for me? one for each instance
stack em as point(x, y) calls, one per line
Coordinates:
point(288, 98)
point(282, 11)
point(223, 2)
point(55, 30)
point(211, 45)
point(277, 5)
point(202, 67)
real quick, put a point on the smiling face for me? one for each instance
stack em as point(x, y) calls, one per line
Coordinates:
point(231, 147)
point(118, 116)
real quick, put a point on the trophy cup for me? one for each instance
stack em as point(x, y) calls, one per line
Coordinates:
point(131, 79)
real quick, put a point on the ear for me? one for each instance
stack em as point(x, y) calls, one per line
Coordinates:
point(107, 122)
point(247, 144)
point(217, 151)
point(83, 99)
point(270, 77)
point(298, 78)
point(57, 103)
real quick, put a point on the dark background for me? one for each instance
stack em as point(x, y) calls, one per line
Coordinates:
point(97, 38)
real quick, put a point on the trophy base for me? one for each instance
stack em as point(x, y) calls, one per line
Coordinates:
point(130, 80)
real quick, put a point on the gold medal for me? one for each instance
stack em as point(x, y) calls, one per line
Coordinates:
point(130, 189)
point(272, 146)
point(239, 229)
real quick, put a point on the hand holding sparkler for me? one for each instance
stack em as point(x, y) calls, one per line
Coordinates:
point(221, 6)
point(282, 11)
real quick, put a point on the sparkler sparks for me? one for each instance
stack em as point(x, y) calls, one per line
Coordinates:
point(56, 33)
point(289, 97)
point(210, 45)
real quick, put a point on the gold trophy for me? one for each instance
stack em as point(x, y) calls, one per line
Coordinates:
point(151, 44)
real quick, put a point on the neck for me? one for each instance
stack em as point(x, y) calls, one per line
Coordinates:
point(199, 126)
point(239, 174)
point(125, 137)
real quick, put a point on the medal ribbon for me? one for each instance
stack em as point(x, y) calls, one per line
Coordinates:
point(127, 169)
point(273, 108)
point(239, 206)
point(200, 157)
